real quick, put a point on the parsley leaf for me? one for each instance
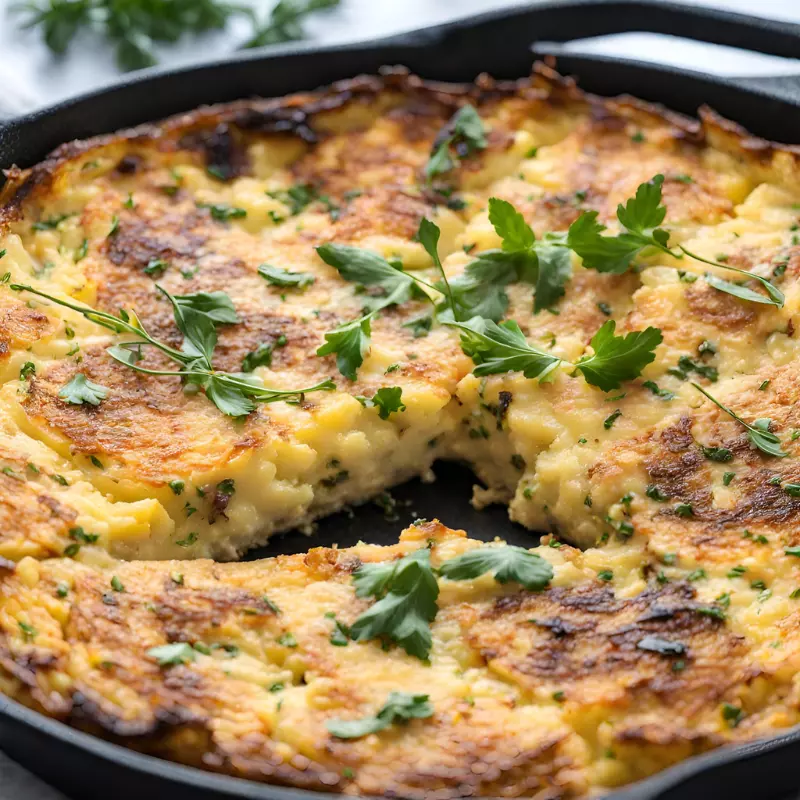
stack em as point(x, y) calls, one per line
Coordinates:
point(510, 226)
point(296, 197)
point(766, 441)
point(503, 348)
point(197, 317)
point(81, 390)
point(428, 235)
point(547, 264)
point(351, 343)
point(170, 655)
point(222, 212)
point(399, 707)
point(640, 219)
point(506, 563)
point(217, 306)
point(284, 278)
point(285, 21)
point(758, 433)
point(776, 296)
point(618, 358)
point(479, 289)
point(260, 357)
point(464, 134)
point(387, 400)
point(134, 28)
point(228, 399)
point(369, 269)
point(407, 591)
point(742, 292)
point(554, 269)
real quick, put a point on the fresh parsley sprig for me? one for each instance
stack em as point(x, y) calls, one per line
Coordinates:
point(758, 433)
point(370, 269)
point(285, 22)
point(505, 562)
point(618, 358)
point(502, 348)
point(641, 218)
point(388, 400)
point(399, 707)
point(544, 263)
point(81, 390)
point(775, 295)
point(480, 290)
point(462, 135)
point(428, 235)
point(197, 316)
point(132, 27)
point(406, 592)
point(284, 278)
point(350, 342)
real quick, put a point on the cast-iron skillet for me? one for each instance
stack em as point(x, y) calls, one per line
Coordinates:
point(499, 43)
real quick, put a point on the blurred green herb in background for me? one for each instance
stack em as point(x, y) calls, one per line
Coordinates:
point(133, 27)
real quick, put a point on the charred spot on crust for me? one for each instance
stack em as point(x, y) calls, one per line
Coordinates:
point(129, 164)
point(294, 121)
point(225, 155)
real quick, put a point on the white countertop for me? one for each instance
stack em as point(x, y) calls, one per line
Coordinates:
point(31, 77)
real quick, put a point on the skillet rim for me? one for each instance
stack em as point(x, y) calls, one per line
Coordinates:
point(115, 755)
point(651, 787)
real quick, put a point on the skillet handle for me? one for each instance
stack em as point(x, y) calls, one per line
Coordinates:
point(511, 31)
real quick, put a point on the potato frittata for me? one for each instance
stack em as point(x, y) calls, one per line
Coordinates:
point(234, 322)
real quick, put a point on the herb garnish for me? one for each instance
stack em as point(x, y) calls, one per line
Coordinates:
point(197, 316)
point(222, 212)
point(480, 289)
point(81, 390)
point(351, 344)
point(505, 562)
point(170, 655)
point(133, 28)
point(387, 400)
point(641, 218)
point(399, 707)
point(406, 592)
point(284, 278)
point(285, 21)
point(758, 433)
point(351, 340)
point(503, 348)
point(463, 134)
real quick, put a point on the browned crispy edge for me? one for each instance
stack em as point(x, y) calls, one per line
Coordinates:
point(294, 115)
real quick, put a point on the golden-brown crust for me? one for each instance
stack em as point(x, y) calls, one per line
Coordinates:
point(218, 711)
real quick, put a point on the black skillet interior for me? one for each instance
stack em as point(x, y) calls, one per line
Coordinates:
point(499, 43)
